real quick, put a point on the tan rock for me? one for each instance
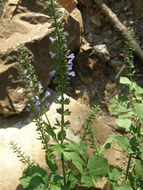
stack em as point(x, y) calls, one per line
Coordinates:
point(68, 5)
point(26, 137)
point(27, 23)
point(76, 14)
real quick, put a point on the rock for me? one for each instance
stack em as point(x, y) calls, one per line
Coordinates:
point(76, 14)
point(102, 52)
point(26, 137)
point(89, 66)
point(27, 23)
point(107, 124)
point(68, 5)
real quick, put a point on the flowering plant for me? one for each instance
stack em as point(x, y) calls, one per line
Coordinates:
point(78, 168)
point(69, 151)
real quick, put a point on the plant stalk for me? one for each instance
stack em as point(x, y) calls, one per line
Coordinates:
point(61, 93)
point(128, 167)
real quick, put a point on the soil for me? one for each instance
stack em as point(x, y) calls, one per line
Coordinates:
point(105, 86)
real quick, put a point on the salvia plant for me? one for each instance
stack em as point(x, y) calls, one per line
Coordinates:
point(79, 169)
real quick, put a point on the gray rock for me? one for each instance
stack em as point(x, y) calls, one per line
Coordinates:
point(102, 52)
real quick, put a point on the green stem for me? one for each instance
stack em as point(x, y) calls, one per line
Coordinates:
point(128, 167)
point(61, 92)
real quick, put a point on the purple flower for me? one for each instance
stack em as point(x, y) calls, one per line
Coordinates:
point(70, 62)
point(25, 71)
point(70, 67)
point(72, 74)
point(46, 103)
point(37, 97)
point(51, 39)
point(52, 54)
point(71, 56)
point(47, 93)
point(38, 105)
point(40, 86)
point(52, 73)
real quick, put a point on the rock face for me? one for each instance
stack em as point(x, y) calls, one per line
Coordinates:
point(26, 137)
point(91, 62)
point(26, 22)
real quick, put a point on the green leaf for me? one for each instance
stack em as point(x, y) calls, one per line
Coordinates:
point(86, 180)
point(124, 123)
point(119, 139)
point(75, 158)
point(55, 187)
point(125, 186)
point(97, 166)
point(76, 147)
point(34, 177)
point(115, 174)
point(119, 105)
point(139, 111)
point(50, 130)
point(51, 163)
point(133, 145)
point(125, 80)
point(138, 89)
point(139, 168)
point(61, 135)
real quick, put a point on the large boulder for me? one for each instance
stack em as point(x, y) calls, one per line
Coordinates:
point(26, 22)
point(25, 135)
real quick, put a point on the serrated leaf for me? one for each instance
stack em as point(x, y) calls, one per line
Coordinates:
point(115, 174)
point(119, 139)
point(124, 123)
point(51, 163)
point(119, 105)
point(75, 158)
point(76, 147)
point(50, 130)
point(125, 80)
point(97, 166)
point(34, 177)
point(139, 111)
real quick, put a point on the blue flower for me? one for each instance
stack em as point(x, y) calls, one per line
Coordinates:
point(70, 67)
point(52, 73)
point(40, 86)
point(52, 54)
point(70, 62)
point(46, 103)
point(71, 56)
point(38, 105)
point(25, 71)
point(51, 39)
point(37, 97)
point(47, 93)
point(72, 74)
